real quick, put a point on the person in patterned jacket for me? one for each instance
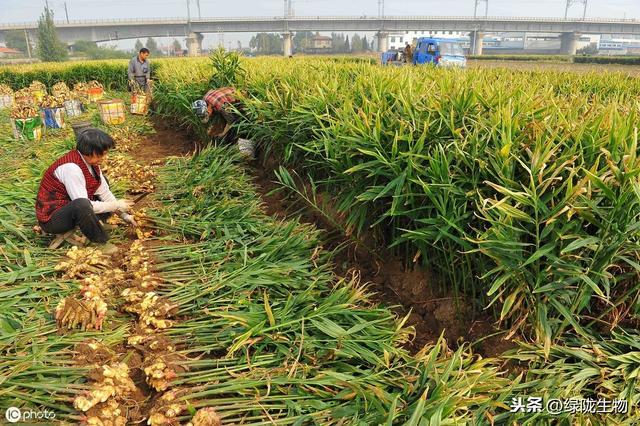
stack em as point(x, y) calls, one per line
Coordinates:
point(74, 192)
point(219, 102)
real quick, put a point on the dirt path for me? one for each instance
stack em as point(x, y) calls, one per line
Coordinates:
point(145, 360)
point(167, 141)
point(411, 292)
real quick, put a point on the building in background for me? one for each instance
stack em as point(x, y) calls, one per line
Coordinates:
point(400, 39)
point(6, 52)
point(499, 43)
point(612, 44)
point(320, 42)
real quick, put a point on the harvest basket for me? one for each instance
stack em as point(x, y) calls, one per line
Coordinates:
point(73, 108)
point(112, 111)
point(95, 94)
point(6, 101)
point(27, 128)
point(53, 117)
point(79, 126)
point(140, 104)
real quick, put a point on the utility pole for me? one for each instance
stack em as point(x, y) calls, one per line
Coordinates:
point(380, 8)
point(66, 12)
point(570, 2)
point(26, 37)
point(220, 37)
point(199, 14)
point(486, 8)
point(188, 16)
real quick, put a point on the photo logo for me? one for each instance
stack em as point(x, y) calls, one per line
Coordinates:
point(13, 414)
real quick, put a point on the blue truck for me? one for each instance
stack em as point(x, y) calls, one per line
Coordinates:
point(439, 51)
point(436, 51)
point(392, 57)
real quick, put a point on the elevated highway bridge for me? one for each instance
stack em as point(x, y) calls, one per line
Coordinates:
point(119, 29)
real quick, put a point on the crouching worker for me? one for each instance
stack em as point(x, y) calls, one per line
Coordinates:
point(218, 104)
point(74, 192)
point(221, 105)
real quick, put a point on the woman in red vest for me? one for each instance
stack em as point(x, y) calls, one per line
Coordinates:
point(74, 192)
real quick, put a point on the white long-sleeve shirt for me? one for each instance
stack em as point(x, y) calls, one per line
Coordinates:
point(71, 176)
point(73, 180)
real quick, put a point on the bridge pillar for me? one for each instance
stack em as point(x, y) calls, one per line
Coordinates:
point(287, 44)
point(476, 38)
point(194, 44)
point(569, 43)
point(383, 41)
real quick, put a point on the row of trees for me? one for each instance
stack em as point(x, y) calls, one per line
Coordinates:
point(271, 43)
point(49, 47)
point(266, 43)
point(154, 49)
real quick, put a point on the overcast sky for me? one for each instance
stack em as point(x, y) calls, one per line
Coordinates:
point(28, 10)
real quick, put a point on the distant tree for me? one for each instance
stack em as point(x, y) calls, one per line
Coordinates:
point(365, 44)
point(138, 46)
point(177, 47)
point(84, 46)
point(347, 46)
point(356, 43)
point(15, 40)
point(153, 47)
point(591, 49)
point(302, 40)
point(338, 42)
point(91, 50)
point(266, 43)
point(49, 48)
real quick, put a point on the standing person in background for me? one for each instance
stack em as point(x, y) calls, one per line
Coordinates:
point(408, 54)
point(139, 71)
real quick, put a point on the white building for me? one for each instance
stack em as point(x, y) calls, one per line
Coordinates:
point(619, 45)
point(400, 39)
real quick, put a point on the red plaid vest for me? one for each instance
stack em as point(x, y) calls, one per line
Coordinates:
point(52, 194)
point(216, 99)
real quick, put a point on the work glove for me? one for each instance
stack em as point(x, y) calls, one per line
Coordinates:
point(118, 205)
point(129, 219)
point(123, 205)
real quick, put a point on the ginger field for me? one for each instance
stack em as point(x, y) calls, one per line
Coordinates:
point(512, 197)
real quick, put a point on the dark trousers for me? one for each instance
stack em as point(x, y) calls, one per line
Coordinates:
point(78, 212)
point(232, 135)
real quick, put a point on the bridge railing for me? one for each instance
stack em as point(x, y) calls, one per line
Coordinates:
point(183, 20)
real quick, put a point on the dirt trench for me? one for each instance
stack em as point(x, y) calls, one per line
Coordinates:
point(143, 399)
point(410, 291)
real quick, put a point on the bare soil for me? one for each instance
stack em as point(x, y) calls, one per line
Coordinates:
point(167, 141)
point(152, 149)
point(408, 291)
